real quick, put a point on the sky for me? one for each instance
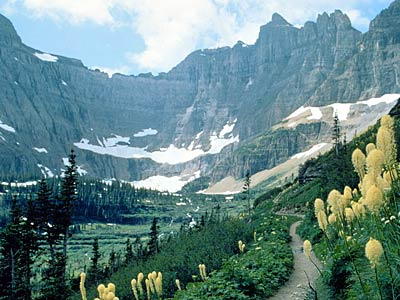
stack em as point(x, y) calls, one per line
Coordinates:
point(140, 36)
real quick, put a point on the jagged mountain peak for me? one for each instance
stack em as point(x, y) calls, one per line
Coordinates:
point(277, 19)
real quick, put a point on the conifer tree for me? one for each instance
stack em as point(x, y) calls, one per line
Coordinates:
point(18, 244)
point(152, 246)
point(128, 252)
point(336, 134)
point(94, 269)
point(246, 190)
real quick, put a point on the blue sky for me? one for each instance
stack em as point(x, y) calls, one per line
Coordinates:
point(134, 36)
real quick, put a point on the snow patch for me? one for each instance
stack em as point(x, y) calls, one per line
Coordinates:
point(19, 184)
point(309, 152)
point(342, 110)
point(146, 132)
point(6, 127)
point(46, 57)
point(171, 184)
point(249, 83)
point(64, 83)
point(40, 150)
point(47, 173)
point(170, 155)
point(79, 169)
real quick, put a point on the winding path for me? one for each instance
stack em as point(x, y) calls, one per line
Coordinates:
point(296, 287)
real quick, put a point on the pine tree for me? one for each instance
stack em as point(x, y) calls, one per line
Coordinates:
point(68, 198)
point(128, 252)
point(94, 270)
point(152, 245)
point(112, 261)
point(18, 245)
point(138, 248)
point(336, 134)
point(246, 190)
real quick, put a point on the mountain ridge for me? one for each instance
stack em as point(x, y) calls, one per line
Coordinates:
point(54, 102)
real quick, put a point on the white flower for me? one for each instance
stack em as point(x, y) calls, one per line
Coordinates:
point(258, 248)
point(392, 218)
point(387, 222)
point(383, 219)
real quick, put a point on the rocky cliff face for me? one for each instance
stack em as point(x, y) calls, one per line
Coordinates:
point(193, 117)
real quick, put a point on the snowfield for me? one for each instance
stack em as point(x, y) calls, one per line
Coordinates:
point(171, 155)
point(46, 57)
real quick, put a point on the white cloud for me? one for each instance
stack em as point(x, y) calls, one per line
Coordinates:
point(171, 29)
point(111, 71)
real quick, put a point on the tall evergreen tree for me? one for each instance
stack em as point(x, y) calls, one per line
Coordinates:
point(18, 245)
point(152, 245)
point(246, 190)
point(68, 198)
point(128, 252)
point(336, 134)
point(94, 270)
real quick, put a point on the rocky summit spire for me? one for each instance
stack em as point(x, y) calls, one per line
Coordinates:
point(277, 19)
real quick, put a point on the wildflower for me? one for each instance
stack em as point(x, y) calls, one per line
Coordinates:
point(241, 246)
point(348, 212)
point(358, 159)
point(347, 195)
point(358, 209)
point(373, 251)
point(322, 220)
point(392, 218)
point(203, 274)
point(374, 198)
point(318, 205)
point(375, 161)
point(158, 284)
point(386, 143)
point(348, 238)
point(333, 200)
point(332, 218)
point(387, 122)
point(82, 286)
point(370, 147)
point(178, 284)
point(134, 289)
point(307, 248)
point(368, 180)
point(387, 222)
point(258, 248)
point(140, 278)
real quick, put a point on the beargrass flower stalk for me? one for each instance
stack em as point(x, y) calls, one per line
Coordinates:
point(358, 159)
point(386, 143)
point(158, 285)
point(334, 199)
point(369, 148)
point(332, 218)
point(319, 205)
point(349, 214)
point(82, 286)
point(203, 273)
point(374, 199)
point(375, 162)
point(140, 278)
point(148, 289)
point(322, 220)
point(134, 289)
point(374, 251)
point(307, 248)
point(178, 284)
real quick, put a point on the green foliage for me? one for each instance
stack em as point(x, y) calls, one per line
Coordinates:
point(181, 255)
point(255, 274)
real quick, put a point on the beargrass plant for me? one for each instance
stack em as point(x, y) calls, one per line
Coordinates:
point(360, 247)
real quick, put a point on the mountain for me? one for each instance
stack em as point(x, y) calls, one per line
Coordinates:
point(196, 119)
